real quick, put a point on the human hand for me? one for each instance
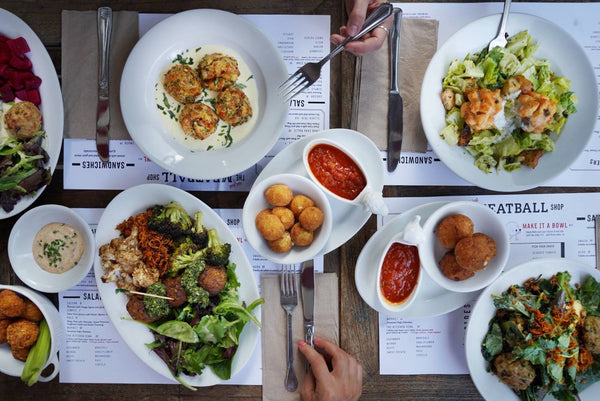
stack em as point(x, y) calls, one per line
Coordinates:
point(343, 383)
point(371, 41)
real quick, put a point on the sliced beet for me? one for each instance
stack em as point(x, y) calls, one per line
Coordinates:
point(20, 63)
point(6, 93)
point(5, 53)
point(21, 94)
point(33, 95)
point(32, 82)
point(4, 68)
point(15, 79)
point(18, 46)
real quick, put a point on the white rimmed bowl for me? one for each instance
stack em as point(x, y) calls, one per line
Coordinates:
point(256, 202)
point(14, 367)
point(484, 221)
point(20, 244)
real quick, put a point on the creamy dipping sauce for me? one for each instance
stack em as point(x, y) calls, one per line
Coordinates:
point(57, 247)
point(168, 108)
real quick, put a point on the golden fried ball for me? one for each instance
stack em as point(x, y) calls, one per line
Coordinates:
point(22, 333)
point(269, 226)
point(452, 270)
point(3, 326)
point(285, 215)
point(278, 195)
point(218, 71)
point(23, 120)
point(300, 236)
point(11, 304)
point(198, 120)
point(281, 245)
point(32, 312)
point(20, 353)
point(183, 83)
point(453, 228)
point(233, 106)
point(299, 203)
point(474, 253)
point(311, 218)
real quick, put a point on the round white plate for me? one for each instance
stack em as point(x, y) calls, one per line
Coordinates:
point(156, 50)
point(136, 200)
point(52, 104)
point(347, 218)
point(488, 385)
point(431, 300)
point(566, 58)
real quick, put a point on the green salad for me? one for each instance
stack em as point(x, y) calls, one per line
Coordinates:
point(505, 106)
point(545, 337)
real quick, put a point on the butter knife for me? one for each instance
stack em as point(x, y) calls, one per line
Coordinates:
point(395, 106)
point(307, 281)
point(103, 109)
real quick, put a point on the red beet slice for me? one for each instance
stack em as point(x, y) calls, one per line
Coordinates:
point(33, 82)
point(20, 63)
point(6, 93)
point(18, 46)
point(5, 53)
point(33, 95)
point(21, 94)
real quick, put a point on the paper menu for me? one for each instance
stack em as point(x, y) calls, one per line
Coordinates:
point(94, 352)
point(539, 226)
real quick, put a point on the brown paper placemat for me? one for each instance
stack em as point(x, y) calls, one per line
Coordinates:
point(418, 43)
point(274, 331)
point(79, 67)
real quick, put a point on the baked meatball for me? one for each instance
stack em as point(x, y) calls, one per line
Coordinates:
point(137, 310)
point(3, 326)
point(23, 120)
point(218, 71)
point(11, 305)
point(269, 225)
point(300, 236)
point(183, 83)
point(32, 312)
point(233, 106)
point(213, 279)
point(474, 253)
point(452, 270)
point(22, 333)
point(453, 228)
point(299, 203)
point(518, 374)
point(311, 218)
point(175, 290)
point(198, 120)
point(281, 245)
point(285, 215)
point(591, 334)
point(278, 195)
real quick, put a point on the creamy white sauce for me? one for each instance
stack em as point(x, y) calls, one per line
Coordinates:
point(57, 247)
point(168, 108)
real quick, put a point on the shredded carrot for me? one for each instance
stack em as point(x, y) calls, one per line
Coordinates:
point(540, 326)
point(585, 359)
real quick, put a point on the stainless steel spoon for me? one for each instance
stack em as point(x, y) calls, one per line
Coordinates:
point(500, 39)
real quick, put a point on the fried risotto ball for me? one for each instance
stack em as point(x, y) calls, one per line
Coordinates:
point(518, 374)
point(23, 120)
point(453, 228)
point(299, 203)
point(281, 245)
point(278, 195)
point(218, 71)
point(32, 312)
point(198, 120)
point(269, 225)
point(474, 253)
point(301, 236)
point(3, 326)
point(311, 218)
point(174, 290)
point(213, 279)
point(11, 305)
point(285, 215)
point(183, 83)
point(20, 353)
point(137, 310)
point(22, 333)
point(591, 334)
point(233, 106)
point(452, 270)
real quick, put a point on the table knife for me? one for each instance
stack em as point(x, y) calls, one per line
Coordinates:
point(307, 280)
point(103, 109)
point(395, 106)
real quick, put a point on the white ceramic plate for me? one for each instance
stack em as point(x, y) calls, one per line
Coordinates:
point(347, 218)
point(488, 385)
point(51, 95)
point(431, 300)
point(155, 51)
point(566, 58)
point(136, 200)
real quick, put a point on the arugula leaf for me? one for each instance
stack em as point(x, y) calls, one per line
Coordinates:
point(492, 344)
point(589, 294)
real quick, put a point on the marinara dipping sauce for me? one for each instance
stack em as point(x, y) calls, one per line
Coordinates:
point(336, 171)
point(399, 272)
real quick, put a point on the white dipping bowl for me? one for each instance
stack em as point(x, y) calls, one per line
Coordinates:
point(485, 221)
point(20, 244)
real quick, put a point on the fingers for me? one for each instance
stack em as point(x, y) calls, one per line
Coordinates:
point(316, 360)
point(308, 387)
point(357, 16)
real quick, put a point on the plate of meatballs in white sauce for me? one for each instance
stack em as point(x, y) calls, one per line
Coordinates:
point(199, 94)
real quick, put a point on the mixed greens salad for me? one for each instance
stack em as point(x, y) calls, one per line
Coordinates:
point(514, 134)
point(545, 337)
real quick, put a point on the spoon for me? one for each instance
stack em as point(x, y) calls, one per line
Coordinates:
point(500, 39)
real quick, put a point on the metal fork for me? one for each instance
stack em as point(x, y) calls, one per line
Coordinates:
point(289, 300)
point(500, 39)
point(310, 72)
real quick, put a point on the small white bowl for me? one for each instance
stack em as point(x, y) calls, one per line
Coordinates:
point(256, 202)
point(412, 234)
point(485, 221)
point(14, 367)
point(20, 252)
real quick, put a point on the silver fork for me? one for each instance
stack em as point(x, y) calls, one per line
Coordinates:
point(309, 73)
point(500, 39)
point(289, 300)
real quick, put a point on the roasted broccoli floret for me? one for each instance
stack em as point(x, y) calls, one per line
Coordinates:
point(189, 282)
point(186, 253)
point(156, 307)
point(199, 233)
point(217, 252)
point(170, 219)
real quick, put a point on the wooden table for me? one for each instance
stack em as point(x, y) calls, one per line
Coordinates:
point(358, 322)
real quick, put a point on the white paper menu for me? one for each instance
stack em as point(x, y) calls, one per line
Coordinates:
point(92, 350)
point(544, 225)
point(578, 19)
point(299, 38)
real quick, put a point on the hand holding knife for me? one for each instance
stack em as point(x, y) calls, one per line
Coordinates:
point(307, 280)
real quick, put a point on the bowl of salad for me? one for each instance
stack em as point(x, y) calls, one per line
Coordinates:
point(514, 117)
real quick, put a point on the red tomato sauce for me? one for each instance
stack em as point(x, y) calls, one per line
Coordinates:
point(399, 272)
point(336, 171)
